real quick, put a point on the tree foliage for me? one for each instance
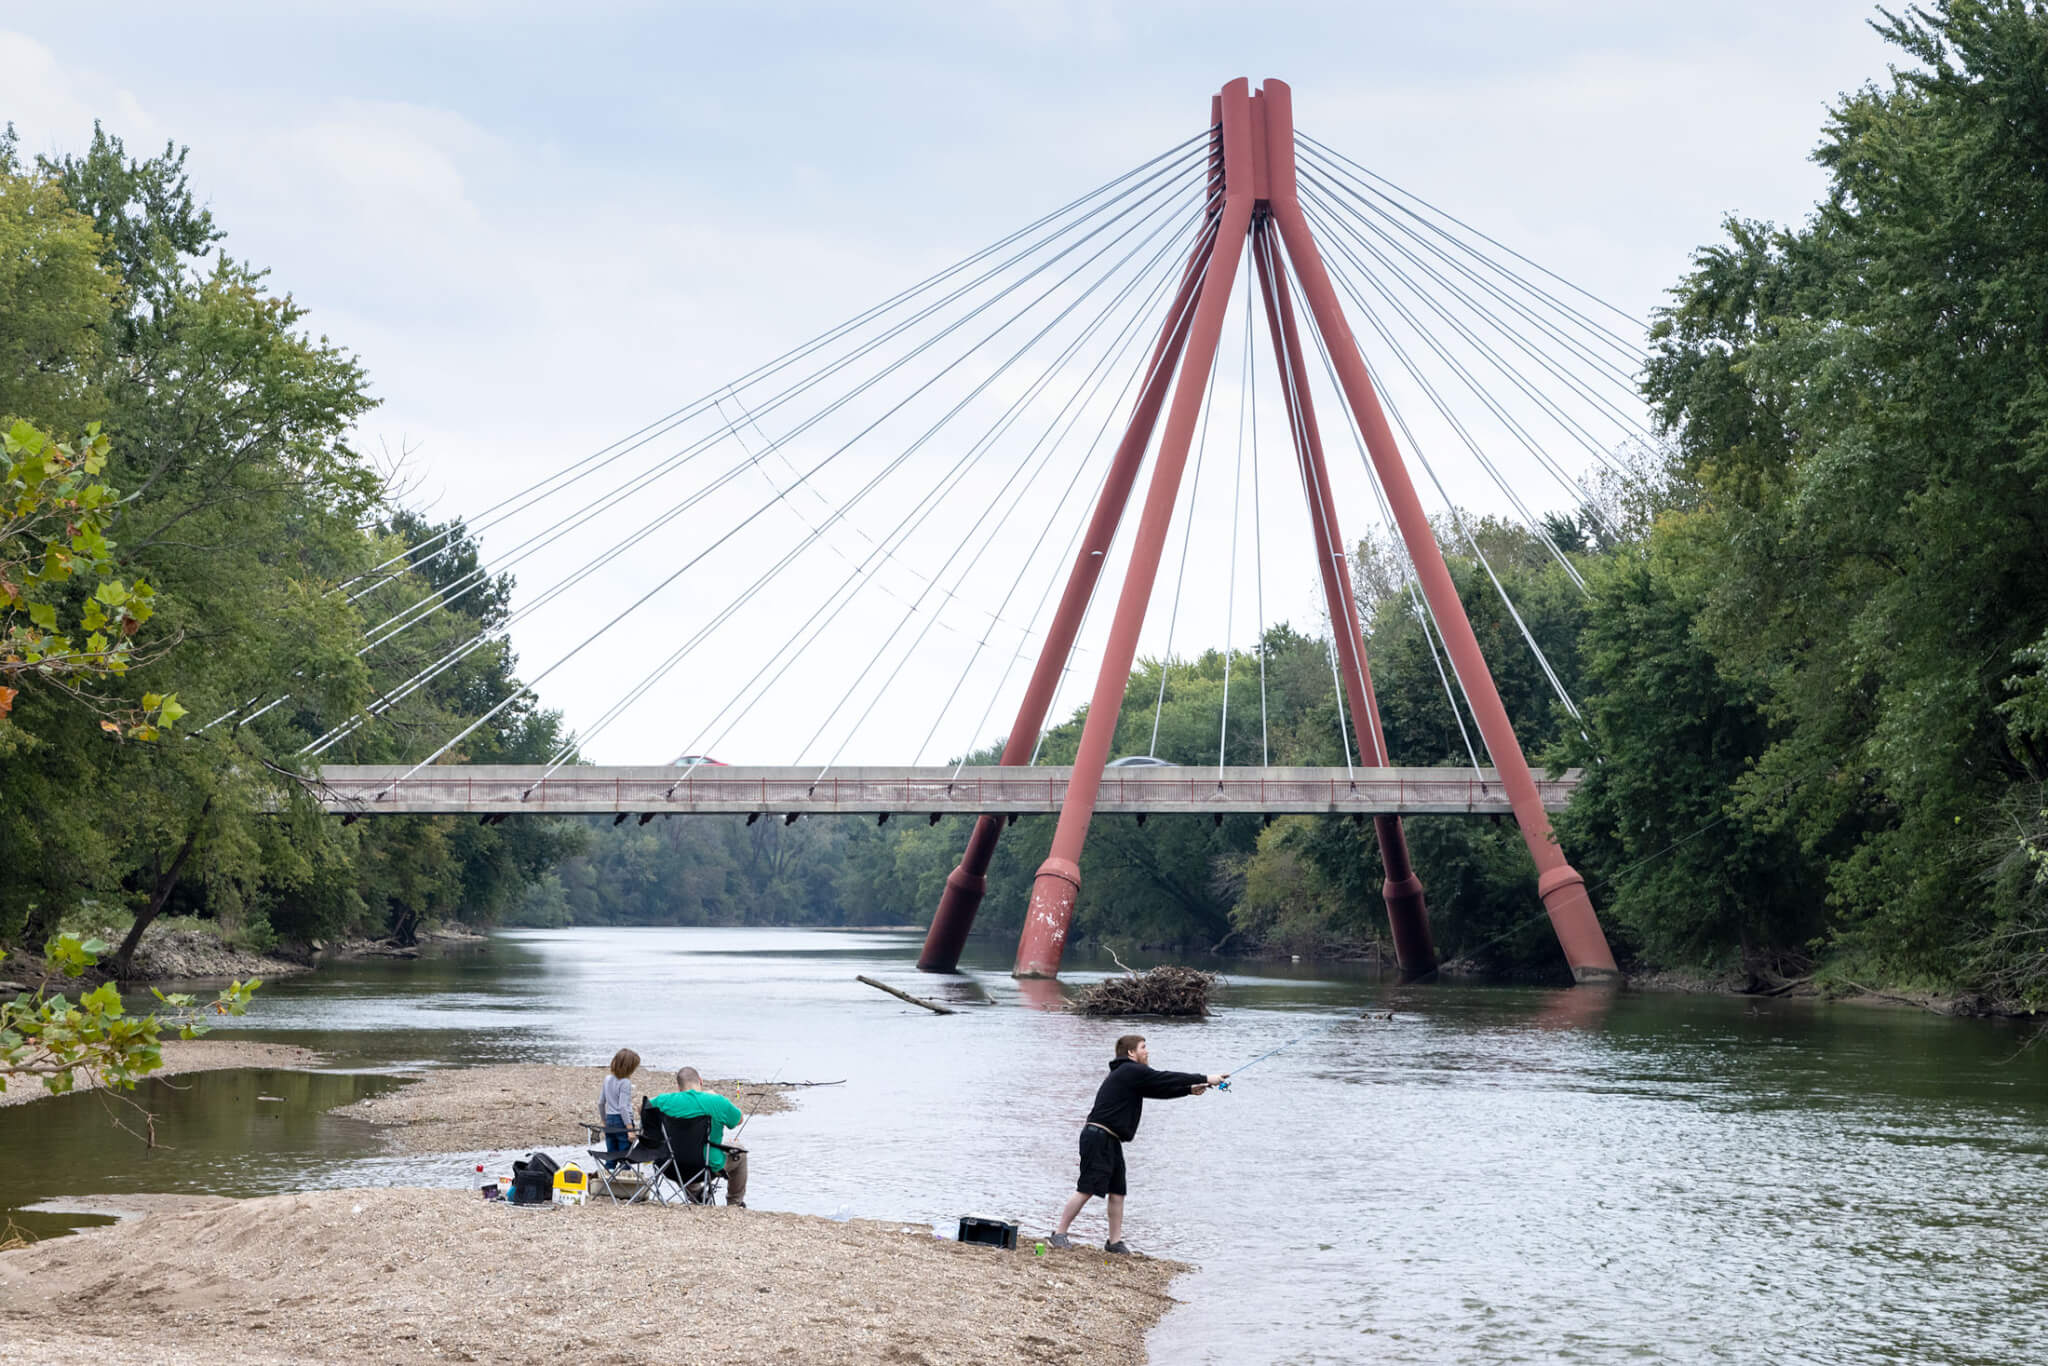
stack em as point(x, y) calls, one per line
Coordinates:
point(194, 443)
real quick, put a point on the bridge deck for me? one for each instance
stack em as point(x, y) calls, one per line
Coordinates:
point(710, 789)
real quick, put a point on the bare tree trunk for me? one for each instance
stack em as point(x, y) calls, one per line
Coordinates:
point(166, 883)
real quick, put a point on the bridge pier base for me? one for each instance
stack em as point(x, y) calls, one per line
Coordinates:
point(965, 887)
point(1044, 941)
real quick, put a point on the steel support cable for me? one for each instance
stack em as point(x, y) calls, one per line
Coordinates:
point(783, 493)
point(833, 603)
point(1621, 414)
point(903, 456)
point(1236, 506)
point(1088, 608)
point(1187, 536)
point(883, 649)
point(569, 522)
point(826, 338)
point(1542, 660)
point(1529, 518)
point(743, 465)
point(1029, 630)
point(447, 595)
point(1630, 425)
point(751, 517)
point(1420, 604)
point(1312, 487)
point(1327, 150)
point(1572, 485)
point(1258, 521)
point(1298, 431)
point(821, 618)
point(1137, 381)
point(1457, 519)
point(1386, 223)
point(591, 464)
point(678, 459)
point(1104, 370)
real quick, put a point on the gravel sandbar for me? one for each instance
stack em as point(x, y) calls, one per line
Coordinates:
point(470, 1109)
point(407, 1275)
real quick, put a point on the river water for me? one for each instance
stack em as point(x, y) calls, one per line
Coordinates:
point(1493, 1175)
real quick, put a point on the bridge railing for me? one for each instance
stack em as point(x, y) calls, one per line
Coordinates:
point(711, 789)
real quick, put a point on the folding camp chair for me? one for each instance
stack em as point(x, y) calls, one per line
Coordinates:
point(641, 1166)
point(688, 1164)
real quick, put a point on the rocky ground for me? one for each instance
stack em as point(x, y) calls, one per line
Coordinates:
point(409, 1275)
point(470, 1109)
point(189, 1055)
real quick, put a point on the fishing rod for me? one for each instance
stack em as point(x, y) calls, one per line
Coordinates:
point(1305, 1034)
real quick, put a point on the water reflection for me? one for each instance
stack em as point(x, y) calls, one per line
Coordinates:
point(1492, 1174)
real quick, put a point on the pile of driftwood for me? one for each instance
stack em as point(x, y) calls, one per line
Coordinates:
point(1158, 991)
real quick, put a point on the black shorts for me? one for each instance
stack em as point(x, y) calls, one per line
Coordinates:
point(1102, 1163)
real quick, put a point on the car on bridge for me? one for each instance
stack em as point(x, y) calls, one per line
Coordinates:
point(693, 760)
point(1140, 761)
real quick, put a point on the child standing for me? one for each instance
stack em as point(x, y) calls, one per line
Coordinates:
point(615, 1103)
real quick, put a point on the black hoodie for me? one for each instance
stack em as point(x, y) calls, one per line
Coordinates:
point(1120, 1100)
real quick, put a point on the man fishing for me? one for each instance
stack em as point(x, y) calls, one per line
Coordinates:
point(1119, 1105)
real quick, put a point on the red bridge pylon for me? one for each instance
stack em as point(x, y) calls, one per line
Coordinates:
point(1253, 202)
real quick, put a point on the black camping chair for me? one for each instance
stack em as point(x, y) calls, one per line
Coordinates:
point(641, 1167)
point(688, 1165)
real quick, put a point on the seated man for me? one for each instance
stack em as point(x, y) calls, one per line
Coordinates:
point(690, 1100)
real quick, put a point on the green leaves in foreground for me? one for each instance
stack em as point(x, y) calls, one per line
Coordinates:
point(94, 1040)
point(53, 516)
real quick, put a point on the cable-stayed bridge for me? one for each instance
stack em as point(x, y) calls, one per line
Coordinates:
point(908, 535)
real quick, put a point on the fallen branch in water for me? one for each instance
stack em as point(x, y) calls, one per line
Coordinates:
point(1888, 996)
point(932, 1006)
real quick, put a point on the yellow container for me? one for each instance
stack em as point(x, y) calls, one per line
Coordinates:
point(571, 1185)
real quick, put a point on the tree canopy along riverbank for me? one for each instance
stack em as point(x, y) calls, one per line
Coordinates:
point(1810, 655)
point(233, 490)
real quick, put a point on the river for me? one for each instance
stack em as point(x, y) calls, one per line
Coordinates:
point(1492, 1175)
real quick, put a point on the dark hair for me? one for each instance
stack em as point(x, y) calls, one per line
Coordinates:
point(1128, 1044)
point(625, 1063)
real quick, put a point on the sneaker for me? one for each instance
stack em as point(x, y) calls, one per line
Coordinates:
point(1060, 1240)
point(1117, 1247)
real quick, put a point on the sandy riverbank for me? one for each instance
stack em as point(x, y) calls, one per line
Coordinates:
point(471, 1109)
point(189, 1055)
point(407, 1275)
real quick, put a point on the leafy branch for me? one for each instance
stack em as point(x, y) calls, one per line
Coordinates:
point(53, 517)
point(61, 1042)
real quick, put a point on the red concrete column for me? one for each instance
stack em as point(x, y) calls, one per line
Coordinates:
point(1407, 910)
point(967, 883)
point(1059, 877)
point(1562, 889)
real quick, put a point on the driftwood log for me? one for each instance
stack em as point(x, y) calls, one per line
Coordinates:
point(1164, 990)
point(932, 1006)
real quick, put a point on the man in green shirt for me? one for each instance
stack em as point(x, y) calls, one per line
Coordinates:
point(690, 1100)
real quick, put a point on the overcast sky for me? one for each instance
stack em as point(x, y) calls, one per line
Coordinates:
point(543, 226)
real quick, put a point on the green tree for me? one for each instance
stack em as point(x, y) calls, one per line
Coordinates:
point(1861, 402)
